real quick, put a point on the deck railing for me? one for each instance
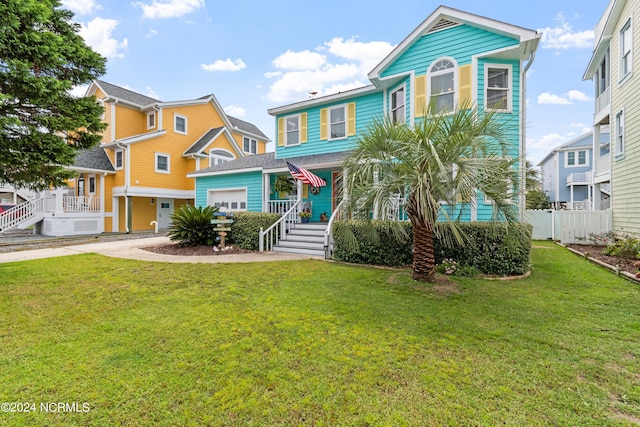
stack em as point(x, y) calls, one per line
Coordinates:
point(271, 236)
point(328, 234)
point(81, 204)
point(20, 213)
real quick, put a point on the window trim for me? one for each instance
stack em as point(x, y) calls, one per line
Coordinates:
point(626, 27)
point(509, 90)
point(402, 88)
point(155, 165)
point(151, 117)
point(286, 132)
point(115, 159)
point(245, 190)
point(175, 124)
point(576, 158)
point(346, 120)
point(620, 136)
point(456, 84)
point(253, 144)
point(91, 182)
point(213, 155)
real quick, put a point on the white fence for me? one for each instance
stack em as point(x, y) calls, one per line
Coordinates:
point(568, 226)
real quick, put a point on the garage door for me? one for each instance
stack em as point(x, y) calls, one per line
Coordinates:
point(231, 200)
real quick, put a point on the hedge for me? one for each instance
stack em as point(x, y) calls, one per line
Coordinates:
point(488, 249)
point(246, 227)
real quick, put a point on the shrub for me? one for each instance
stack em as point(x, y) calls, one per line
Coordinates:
point(246, 227)
point(624, 247)
point(489, 249)
point(191, 226)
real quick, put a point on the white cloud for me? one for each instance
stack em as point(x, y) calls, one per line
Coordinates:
point(549, 98)
point(80, 7)
point(151, 93)
point(97, 34)
point(78, 91)
point(226, 65)
point(169, 8)
point(300, 61)
point(563, 36)
point(235, 110)
point(336, 66)
point(576, 95)
point(151, 33)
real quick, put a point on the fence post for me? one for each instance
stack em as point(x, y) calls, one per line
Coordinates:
point(261, 240)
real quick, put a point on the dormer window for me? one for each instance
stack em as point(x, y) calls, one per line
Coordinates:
point(249, 145)
point(151, 120)
point(442, 83)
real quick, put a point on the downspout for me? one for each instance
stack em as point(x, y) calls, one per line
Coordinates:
point(127, 177)
point(523, 133)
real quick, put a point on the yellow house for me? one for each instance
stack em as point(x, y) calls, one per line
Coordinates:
point(151, 146)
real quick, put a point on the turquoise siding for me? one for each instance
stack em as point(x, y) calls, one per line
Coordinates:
point(321, 202)
point(459, 43)
point(368, 107)
point(252, 181)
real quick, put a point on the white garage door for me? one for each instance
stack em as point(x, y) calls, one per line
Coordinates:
point(231, 200)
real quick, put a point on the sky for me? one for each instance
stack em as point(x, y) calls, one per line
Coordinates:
point(254, 55)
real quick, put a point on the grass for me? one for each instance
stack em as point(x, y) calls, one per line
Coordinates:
point(316, 343)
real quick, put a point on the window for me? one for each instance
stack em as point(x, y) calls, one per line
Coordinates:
point(577, 158)
point(218, 157)
point(162, 163)
point(81, 185)
point(151, 120)
point(180, 124)
point(397, 105)
point(119, 159)
point(92, 184)
point(230, 200)
point(442, 86)
point(498, 87)
point(292, 130)
point(337, 122)
point(602, 76)
point(249, 145)
point(620, 134)
point(625, 50)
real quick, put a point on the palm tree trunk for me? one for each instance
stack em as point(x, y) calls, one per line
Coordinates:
point(424, 261)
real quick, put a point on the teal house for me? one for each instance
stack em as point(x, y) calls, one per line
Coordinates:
point(452, 58)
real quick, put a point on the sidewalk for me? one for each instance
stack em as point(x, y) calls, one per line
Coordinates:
point(130, 249)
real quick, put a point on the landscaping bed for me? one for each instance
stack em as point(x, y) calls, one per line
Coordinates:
point(176, 249)
point(629, 265)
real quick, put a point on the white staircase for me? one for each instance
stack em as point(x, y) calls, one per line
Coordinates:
point(305, 239)
point(22, 215)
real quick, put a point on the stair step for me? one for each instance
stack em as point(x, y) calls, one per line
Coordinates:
point(304, 238)
point(300, 244)
point(311, 226)
point(298, 232)
point(312, 252)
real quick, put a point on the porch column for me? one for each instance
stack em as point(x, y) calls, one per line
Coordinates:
point(102, 193)
point(266, 191)
point(59, 194)
point(571, 191)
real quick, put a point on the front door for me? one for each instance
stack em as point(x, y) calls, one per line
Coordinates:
point(164, 212)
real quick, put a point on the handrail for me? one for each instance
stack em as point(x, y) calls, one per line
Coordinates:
point(328, 235)
point(272, 236)
point(20, 213)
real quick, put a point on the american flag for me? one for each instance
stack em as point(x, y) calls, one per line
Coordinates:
point(305, 176)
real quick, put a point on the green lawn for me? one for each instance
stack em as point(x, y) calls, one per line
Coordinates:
point(316, 343)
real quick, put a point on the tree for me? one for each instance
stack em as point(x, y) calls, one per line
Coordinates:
point(436, 164)
point(532, 177)
point(537, 199)
point(42, 126)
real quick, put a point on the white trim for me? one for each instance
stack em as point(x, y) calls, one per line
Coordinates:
point(456, 83)
point(349, 94)
point(402, 87)
point(115, 159)
point(227, 172)
point(624, 77)
point(225, 158)
point(112, 122)
point(177, 116)
point(250, 140)
point(155, 163)
point(619, 154)
point(89, 178)
point(151, 115)
point(509, 68)
point(135, 138)
point(346, 120)
point(134, 191)
point(286, 135)
point(229, 190)
point(576, 157)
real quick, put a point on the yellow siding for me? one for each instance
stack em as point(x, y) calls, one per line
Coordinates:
point(143, 212)
point(221, 142)
point(625, 179)
point(129, 122)
point(122, 219)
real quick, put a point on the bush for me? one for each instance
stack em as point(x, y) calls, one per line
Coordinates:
point(623, 247)
point(246, 227)
point(490, 249)
point(191, 226)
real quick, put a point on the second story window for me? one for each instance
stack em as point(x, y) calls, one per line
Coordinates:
point(620, 134)
point(180, 124)
point(162, 163)
point(292, 130)
point(151, 120)
point(249, 145)
point(119, 159)
point(442, 85)
point(337, 122)
point(498, 88)
point(577, 158)
point(397, 105)
point(625, 50)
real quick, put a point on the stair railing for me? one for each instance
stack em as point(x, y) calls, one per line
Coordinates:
point(271, 236)
point(328, 234)
point(20, 213)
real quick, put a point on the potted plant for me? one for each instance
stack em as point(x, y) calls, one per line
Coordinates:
point(324, 217)
point(283, 185)
point(305, 215)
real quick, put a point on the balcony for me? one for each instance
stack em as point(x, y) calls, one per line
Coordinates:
point(582, 178)
point(603, 107)
point(602, 170)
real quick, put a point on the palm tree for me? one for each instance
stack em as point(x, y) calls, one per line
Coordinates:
point(438, 166)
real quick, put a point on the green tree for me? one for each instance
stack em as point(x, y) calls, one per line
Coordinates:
point(42, 126)
point(435, 164)
point(537, 199)
point(532, 177)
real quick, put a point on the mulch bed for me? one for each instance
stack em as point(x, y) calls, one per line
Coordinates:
point(175, 249)
point(626, 264)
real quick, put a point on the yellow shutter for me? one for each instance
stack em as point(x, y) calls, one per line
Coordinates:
point(464, 73)
point(420, 96)
point(303, 128)
point(281, 132)
point(351, 119)
point(323, 123)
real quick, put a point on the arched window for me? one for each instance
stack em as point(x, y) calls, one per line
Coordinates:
point(442, 85)
point(217, 157)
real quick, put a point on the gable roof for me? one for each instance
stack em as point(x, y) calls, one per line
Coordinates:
point(93, 159)
point(446, 17)
point(603, 33)
point(247, 127)
point(209, 137)
point(120, 93)
point(584, 141)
